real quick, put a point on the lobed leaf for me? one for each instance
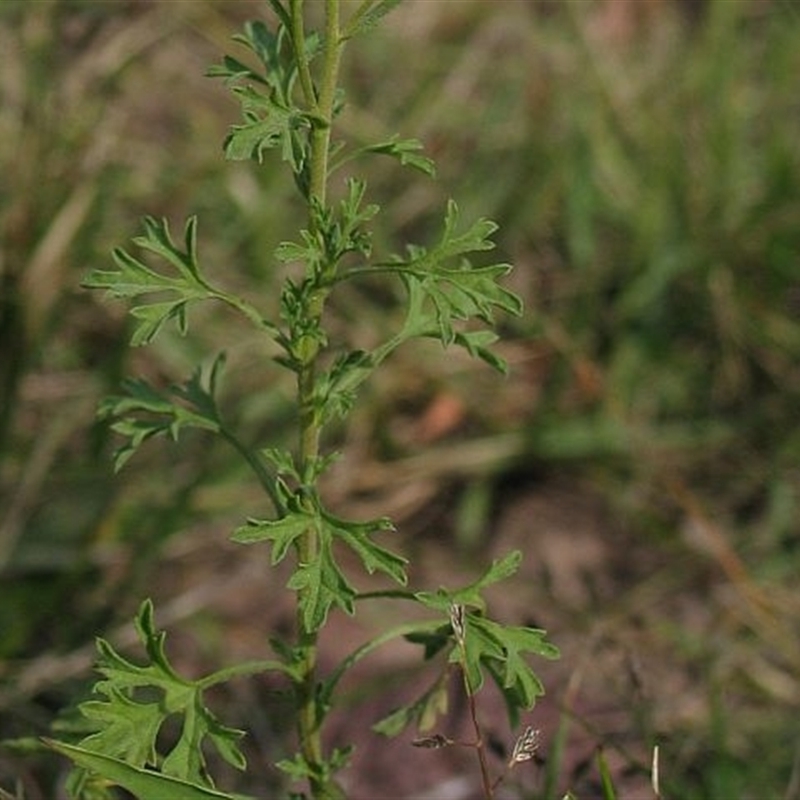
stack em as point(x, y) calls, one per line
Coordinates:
point(406, 151)
point(144, 784)
point(479, 643)
point(232, 71)
point(441, 294)
point(368, 15)
point(267, 124)
point(320, 773)
point(321, 584)
point(130, 706)
point(336, 231)
point(357, 536)
point(336, 389)
point(143, 412)
point(477, 344)
point(470, 595)
point(501, 647)
point(157, 239)
point(281, 532)
point(152, 318)
point(422, 712)
point(127, 729)
point(133, 278)
point(271, 118)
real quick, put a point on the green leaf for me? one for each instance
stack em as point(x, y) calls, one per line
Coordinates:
point(479, 643)
point(337, 231)
point(271, 119)
point(336, 389)
point(368, 15)
point(152, 317)
point(281, 532)
point(144, 412)
point(232, 71)
point(309, 252)
point(281, 12)
point(477, 344)
point(320, 585)
point(406, 151)
point(502, 646)
point(422, 712)
point(606, 781)
point(433, 641)
point(462, 291)
point(267, 124)
point(499, 649)
point(320, 773)
point(129, 728)
point(144, 784)
point(470, 595)
point(282, 461)
point(499, 570)
point(134, 278)
point(158, 240)
point(132, 701)
point(357, 536)
point(445, 288)
point(345, 233)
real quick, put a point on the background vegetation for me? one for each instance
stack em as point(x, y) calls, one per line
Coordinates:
point(642, 160)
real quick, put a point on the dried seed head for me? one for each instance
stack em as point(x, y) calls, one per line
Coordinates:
point(432, 742)
point(457, 622)
point(525, 747)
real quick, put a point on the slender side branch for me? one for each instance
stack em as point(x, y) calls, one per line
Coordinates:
point(265, 480)
point(488, 786)
point(299, 45)
point(321, 135)
point(457, 614)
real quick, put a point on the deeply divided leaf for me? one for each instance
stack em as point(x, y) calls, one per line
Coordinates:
point(406, 151)
point(144, 784)
point(480, 644)
point(422, 712)
point(177, 288)
point(143, 412)
point(321, 584)
point(128, 711)
point(368, 15)
point(267, 124)
point(445, 289)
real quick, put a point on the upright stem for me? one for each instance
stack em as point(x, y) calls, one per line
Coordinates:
point(321, 100)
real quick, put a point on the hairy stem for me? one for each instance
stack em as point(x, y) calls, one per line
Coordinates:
point(322, 101)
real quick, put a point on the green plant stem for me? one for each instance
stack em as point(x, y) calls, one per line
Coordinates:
point(321, 134)
point(243, 670)
point(309, 424)
point(298, 43)
point(264, 478)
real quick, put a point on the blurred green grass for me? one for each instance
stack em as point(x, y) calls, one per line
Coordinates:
point(642, 161)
